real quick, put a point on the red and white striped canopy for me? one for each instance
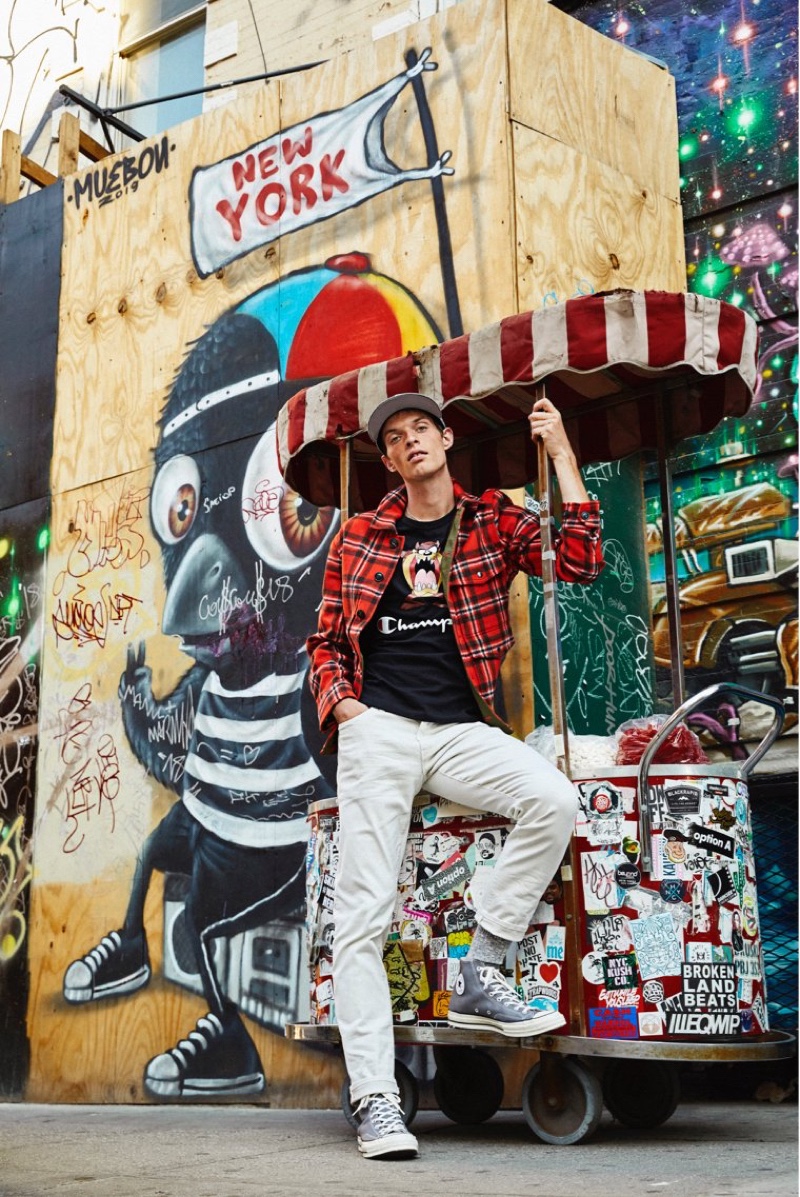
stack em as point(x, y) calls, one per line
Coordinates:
point(607, 360)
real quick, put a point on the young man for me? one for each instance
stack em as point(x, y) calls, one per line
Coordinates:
point(413, 628)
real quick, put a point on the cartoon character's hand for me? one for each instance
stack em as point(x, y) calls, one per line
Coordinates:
point(422, 64)
point(137, 676)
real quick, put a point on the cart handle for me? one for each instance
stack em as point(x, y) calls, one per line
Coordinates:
point(686, 708)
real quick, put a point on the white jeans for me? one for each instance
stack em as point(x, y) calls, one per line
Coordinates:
point(384, 761)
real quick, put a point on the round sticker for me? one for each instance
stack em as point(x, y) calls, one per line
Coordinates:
point(627, 875)
point(592, 969)
point(653, 991)
point(671, 890)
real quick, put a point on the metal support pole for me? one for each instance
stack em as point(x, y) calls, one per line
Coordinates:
point(555, 664)
point(670, 560)
point(344, 478)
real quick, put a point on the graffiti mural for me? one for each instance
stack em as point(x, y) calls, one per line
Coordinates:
point(177, 747)
point(23, 545)
point(735, 490)
point(242, 557)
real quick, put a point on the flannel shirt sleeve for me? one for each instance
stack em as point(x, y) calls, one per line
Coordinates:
point(578, 546)
point(330, 652)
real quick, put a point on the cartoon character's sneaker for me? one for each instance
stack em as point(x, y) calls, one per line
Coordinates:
point(217, 1059)
point(118, 965)
point(482, 997)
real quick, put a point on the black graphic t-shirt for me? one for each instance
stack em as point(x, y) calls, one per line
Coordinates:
point(412, 666)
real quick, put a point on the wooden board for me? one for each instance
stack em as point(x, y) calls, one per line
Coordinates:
point(584, 227)
point(586, 91)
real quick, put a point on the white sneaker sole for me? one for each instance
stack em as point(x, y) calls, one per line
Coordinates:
point(77, 996)
point(540, 1024)
point(397, 1146)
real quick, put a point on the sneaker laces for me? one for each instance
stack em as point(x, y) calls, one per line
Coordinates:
point(497, 988)
point(107, 946)
point(208, 1028)
point(385, 1111)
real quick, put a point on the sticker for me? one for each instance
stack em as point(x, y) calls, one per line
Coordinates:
point(705, 839)
point(750, 911)
point(408, 980)
point(324, 993)
point(437, 948)
point(549, 973)
point(699, 953)
point(458, 944)
point(411, 929)
point(708, 987)
point(555, 942)
point(703, 1024)
point(658, 949)
point(613, 1022)
point(671, 889)
point(459, 918)
point(682, 799)
point(748, 961)
point(600, 800)
point(725, 925)
point(658, 805)
point(722, 818)
point(650, 1023)
point(487, 847)
point(609, 933)
point(701, 923)
point(592, 968)
point(600, 889)
point(745, 991)
point(621, 997)
point(441, 1003)
point(760, 1013)
point(653, 992)
point(605, 831)
point(530, 952)
point(453, 968)
point(620, 972)
point(631, 848)
point(627, 875)
point(720, 887)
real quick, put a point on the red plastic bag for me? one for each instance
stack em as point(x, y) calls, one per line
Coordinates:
point(681, 746)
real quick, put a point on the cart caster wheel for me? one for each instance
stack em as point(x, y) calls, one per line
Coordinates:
point(562, 1101)
point(468, 1084)
point(409, 1095)
point(641, 1094)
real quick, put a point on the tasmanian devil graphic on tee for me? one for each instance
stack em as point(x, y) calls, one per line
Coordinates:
point(412, 666)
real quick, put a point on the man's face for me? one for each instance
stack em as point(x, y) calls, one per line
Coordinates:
point(415, 445)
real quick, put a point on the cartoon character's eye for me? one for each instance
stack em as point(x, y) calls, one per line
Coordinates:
point(286, 531)
point(175, 498)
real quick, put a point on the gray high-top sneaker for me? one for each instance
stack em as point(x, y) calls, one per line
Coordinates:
point(482, 997)
point(382, 1132)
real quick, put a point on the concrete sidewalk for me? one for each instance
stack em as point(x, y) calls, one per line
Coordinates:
point(705, 1150)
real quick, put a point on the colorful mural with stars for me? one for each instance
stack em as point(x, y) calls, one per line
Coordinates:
point(735, 490)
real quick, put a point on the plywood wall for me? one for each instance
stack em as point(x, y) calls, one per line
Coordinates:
point(172, 364)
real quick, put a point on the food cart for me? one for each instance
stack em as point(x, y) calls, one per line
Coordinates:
point(650, 942)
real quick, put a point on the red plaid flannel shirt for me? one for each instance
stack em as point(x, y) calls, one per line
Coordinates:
point(495, 541)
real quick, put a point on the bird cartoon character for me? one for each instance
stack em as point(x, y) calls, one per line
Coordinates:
point(243, 557)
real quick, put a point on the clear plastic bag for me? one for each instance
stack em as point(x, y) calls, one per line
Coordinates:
point(681, 746)
point(586, 753)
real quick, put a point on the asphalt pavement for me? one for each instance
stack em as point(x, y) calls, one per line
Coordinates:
point(719, 1149)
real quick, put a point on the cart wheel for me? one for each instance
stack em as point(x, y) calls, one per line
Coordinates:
point(641, 1093)
point(409, 1095)
point(468, 1084)
point(562, 1100)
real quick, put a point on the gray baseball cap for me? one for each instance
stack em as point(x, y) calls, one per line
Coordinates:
point(408, 401)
